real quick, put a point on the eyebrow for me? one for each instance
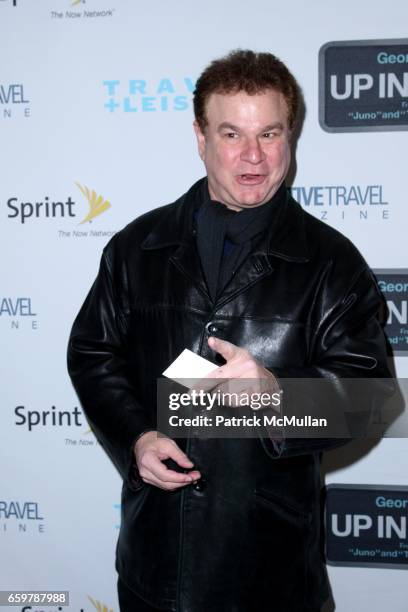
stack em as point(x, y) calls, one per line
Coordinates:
point(230, 126)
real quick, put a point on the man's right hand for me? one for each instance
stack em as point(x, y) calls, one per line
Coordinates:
point(151, 451)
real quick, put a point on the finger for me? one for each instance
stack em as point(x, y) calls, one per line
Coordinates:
point(166, 486)
point(166, 448)
point(173, 451)
point(233, 369)
point(224, 348)
point(153, 467)
point(238, 368)
point(208, 383)
point(224, 387)
point(235, 392)
point(171, 479)
point(195, 475)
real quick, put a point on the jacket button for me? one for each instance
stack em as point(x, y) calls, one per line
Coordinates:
point(211, 328)
point(200, 485)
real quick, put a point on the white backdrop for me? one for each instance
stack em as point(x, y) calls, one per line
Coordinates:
point(72, 74)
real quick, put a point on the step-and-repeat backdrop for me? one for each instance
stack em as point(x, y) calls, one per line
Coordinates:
point(95, 129)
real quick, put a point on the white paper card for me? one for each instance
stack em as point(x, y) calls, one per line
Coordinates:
point(189, 366)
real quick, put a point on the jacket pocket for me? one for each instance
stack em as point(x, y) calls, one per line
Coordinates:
point(281, 505)
point(280, 552)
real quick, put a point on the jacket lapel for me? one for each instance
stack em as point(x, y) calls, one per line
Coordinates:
point(286, 240)
point(251, 271)
point(187, 260)
point(175, 228)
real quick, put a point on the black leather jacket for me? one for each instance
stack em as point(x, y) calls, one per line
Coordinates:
point(304, 303)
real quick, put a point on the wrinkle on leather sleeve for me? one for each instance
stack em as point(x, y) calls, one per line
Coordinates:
point(349, 343)
point(98, 368)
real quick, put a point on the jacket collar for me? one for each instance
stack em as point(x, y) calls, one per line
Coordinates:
point(287, 240)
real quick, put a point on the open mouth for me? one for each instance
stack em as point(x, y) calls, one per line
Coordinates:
point(250, 179)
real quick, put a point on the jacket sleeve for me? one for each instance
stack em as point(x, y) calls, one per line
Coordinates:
point(347, 376)
point(97, 364)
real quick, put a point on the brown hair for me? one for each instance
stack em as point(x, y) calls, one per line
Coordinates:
point(245, 70)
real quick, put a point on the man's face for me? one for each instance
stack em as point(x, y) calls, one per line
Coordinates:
point(245, 147)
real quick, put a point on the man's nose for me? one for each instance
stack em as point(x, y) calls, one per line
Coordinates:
point(252, 152)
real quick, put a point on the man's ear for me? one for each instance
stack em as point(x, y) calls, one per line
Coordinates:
point(200, 140)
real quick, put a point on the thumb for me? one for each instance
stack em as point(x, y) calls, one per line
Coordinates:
point(179, 457)
point(226, 349)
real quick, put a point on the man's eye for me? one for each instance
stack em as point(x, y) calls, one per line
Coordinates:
point(269, 134)
point(231, 134)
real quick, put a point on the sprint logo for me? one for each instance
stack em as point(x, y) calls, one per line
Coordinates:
point(101, 607)
point(97, 203)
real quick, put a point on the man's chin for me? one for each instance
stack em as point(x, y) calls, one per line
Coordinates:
point(244, 198)
point(251, 200)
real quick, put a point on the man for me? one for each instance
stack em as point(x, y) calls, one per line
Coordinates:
point(233, 269)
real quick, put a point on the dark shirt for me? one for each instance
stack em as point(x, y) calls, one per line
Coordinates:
point(226, 237)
